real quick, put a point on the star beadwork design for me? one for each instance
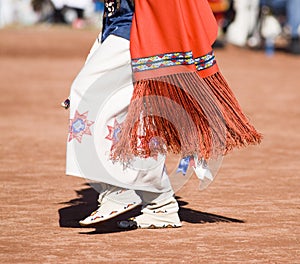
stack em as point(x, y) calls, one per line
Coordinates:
point(79, 126)
point(113, 132)
point(185, 163)
point(110, 133)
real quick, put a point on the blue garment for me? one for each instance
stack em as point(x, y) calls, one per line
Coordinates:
point(117, 18)
point(293, 10)
point(289, 7)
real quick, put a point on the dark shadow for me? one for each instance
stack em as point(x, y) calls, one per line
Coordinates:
point(86, 203)
point(79, 208)
point(197, 217)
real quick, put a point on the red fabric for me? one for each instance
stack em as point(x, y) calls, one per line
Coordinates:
point(165, 26)
point(191, 115)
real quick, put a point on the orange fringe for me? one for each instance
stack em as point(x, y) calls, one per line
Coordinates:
point(240, 132)
point(183, 114)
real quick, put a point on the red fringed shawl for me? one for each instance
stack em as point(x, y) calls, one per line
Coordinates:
point(181, 103)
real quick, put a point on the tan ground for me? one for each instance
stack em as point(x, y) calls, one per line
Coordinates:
point(250, 214)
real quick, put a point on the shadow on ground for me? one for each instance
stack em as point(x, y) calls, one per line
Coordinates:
point(86, 203)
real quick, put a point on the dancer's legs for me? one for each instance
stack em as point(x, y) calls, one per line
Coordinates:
point(115, 194)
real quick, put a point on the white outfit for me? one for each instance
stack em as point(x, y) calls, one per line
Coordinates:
point(6, 12)
point(100, 96)
point(244, 22)
point(59, 4)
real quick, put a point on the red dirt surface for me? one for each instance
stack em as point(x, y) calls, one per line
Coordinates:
point(250, 214)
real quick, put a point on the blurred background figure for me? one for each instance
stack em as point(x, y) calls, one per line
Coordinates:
point(71, 12)
point(6, 13)
point(79, 14)
point(244, 22)
point(16, 11)
point(224, 14)
point(287, 13)
point(266, 24)
point(76, 13)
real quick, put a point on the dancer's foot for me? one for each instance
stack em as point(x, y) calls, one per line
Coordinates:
point(158, 215)
point(114, 203)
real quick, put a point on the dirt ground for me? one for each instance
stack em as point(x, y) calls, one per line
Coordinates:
point(250, 214)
